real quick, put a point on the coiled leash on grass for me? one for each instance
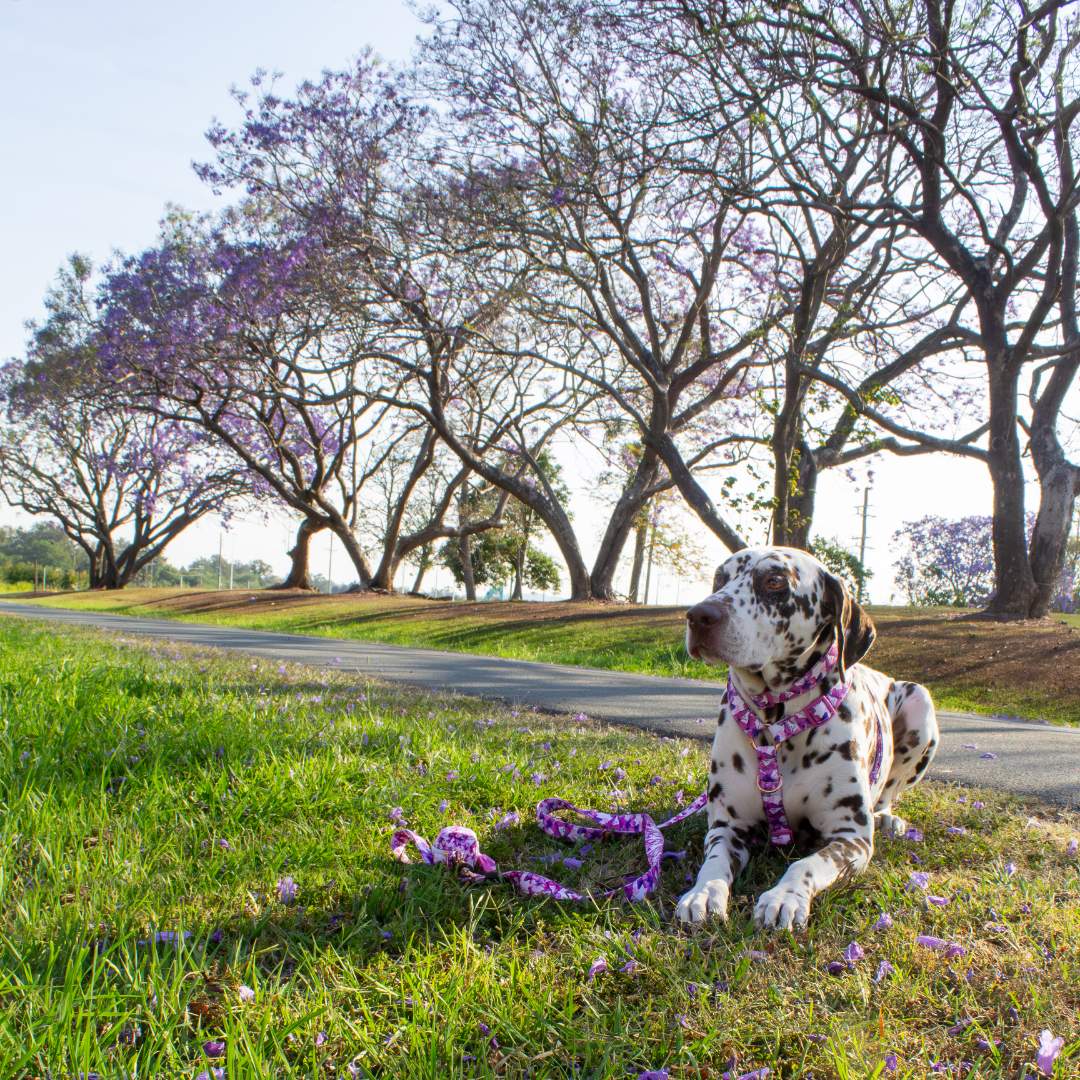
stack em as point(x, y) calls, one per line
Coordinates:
point(457, 845)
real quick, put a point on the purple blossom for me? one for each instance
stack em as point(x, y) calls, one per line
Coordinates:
point(918, 879)
point(884, 922)
point(597, 967)
point(914, 834)
point(1049, 1049)
point(397, 816)
point(854, 952)
point(1072, 847)
point(508, 820)
point(653, 1074)
point(956, 830)
point(245, 994)
point(1010, 869)
point(892, 1063)
point(938, 901)
point(949, 948)
point(884, 970)
point(286, 890)
point(453, 774)
point(214, 1048)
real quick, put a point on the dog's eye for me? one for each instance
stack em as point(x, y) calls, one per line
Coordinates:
point(775, 583)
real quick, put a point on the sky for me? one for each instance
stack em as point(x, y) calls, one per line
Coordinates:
point(106, 105)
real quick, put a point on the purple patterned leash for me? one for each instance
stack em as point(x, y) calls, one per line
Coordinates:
point(457, 845)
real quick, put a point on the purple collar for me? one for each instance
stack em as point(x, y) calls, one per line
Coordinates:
point(820, 711)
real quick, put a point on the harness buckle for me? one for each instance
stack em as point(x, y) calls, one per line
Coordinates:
point(770, 791)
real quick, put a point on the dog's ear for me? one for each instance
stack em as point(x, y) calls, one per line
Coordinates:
point(852, 626)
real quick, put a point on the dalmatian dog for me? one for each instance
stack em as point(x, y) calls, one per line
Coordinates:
point(781, 620)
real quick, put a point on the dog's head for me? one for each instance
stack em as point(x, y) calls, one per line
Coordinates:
point(774, 610)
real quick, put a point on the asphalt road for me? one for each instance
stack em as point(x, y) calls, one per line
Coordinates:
point(1029, 759)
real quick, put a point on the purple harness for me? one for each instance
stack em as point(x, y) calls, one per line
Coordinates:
point(819, 711)
point(458, 846)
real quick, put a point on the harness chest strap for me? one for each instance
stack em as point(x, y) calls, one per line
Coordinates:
point(819, 711)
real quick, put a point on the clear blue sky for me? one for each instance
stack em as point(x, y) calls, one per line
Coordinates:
point(105, 103)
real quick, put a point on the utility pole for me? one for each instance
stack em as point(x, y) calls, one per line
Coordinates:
point(330, 568)
point(862, 538)
point(232, 566)
point(220, 547)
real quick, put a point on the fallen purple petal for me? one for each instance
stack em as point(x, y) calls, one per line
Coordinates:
point(286, 890)
point(892, 1063)
point(918, 879)
point(246, 994)
point(884, 922)
point(597, 967)
point(214, 1048)
point(1049, 1049)
point(884, 970)
point(854, 952)
point(914, 834)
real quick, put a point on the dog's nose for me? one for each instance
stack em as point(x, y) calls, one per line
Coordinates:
point(706, 615)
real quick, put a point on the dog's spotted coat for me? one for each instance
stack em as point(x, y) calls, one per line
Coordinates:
point(772, 615)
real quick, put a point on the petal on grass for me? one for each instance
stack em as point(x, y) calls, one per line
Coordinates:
point(1049, 1049)
point(597, 967)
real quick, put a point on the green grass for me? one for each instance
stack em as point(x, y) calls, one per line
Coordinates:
point(125, 767)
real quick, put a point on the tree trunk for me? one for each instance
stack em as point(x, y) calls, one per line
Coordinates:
point(467, 577)
point(801, 503)
point(625, 512)
point(383, 578)
point(422, 568)
point(1050, 537)
point(519, 570)
point(299, 575)
point(640, 535)
point(341, 530)
point(695, 495)
point(1014, 585)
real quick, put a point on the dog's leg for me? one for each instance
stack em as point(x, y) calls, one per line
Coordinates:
point(848, 829)
point(915, 741)
point(725, 855)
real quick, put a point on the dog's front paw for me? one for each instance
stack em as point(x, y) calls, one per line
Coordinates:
point(704, 899)
point(890, 825)
point(782, 908)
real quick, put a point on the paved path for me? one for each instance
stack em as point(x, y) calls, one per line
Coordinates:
point(1032, 759)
